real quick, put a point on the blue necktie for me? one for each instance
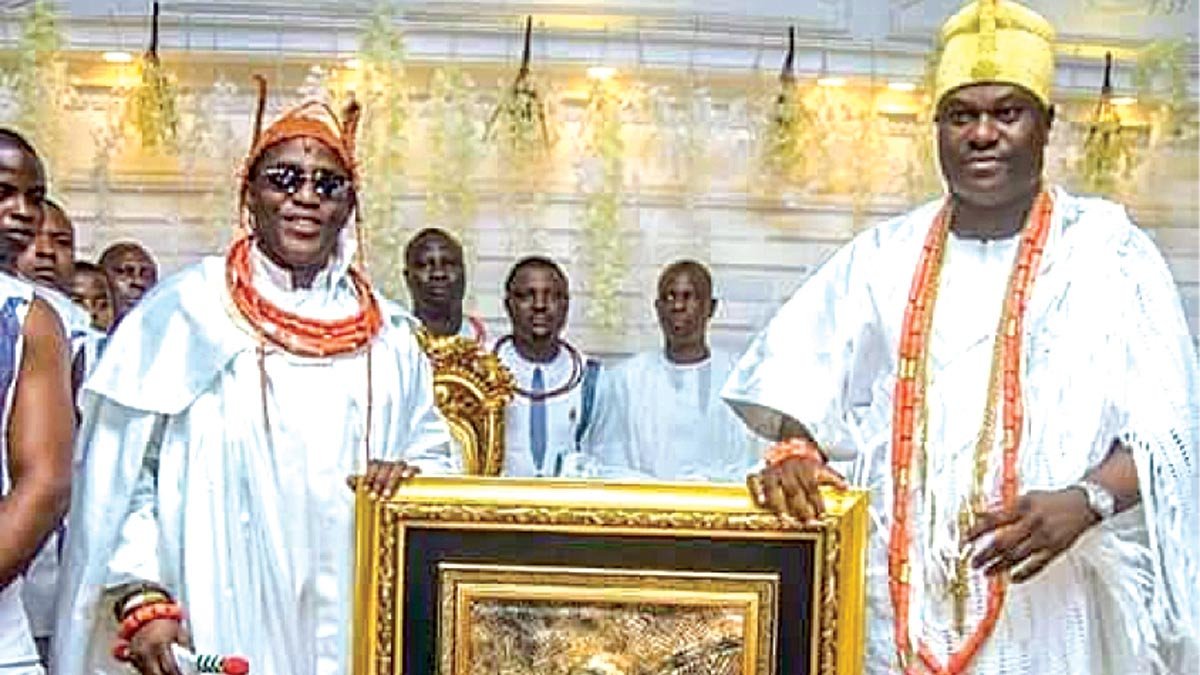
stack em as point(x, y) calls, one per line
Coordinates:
point(537, 420)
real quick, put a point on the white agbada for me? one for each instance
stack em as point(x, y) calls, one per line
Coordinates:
point(181, 480)
point(18, 656)
point(667, 421)
point(1106, 355)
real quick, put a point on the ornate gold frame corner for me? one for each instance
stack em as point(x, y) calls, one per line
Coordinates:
point(588, 507)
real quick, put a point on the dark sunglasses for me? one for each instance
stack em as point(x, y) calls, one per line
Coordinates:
point(289, 179)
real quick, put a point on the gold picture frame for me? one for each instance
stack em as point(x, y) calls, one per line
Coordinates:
point(639, 532)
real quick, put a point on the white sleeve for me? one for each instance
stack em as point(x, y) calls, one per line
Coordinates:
point(1159, 420)
point(604, 455)
point(607, 438)
point(424, 439)
point(135, 557)
point(800, 366)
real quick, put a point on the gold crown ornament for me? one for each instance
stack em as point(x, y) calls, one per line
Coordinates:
point(996, 41)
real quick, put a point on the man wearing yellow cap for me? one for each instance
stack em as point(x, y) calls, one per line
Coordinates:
point(220, 427)
point(1009, 372)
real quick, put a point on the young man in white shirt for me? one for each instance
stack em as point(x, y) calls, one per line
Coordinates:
point(556, 382)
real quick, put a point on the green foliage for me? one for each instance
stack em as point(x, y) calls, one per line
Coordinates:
point(606, 253)
point(153, 106)
point(43, 92)
point(382, 149)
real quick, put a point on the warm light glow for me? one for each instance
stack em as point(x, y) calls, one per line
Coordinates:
point(832, 81)
point(897, 109)
point(1124, 100)
point(352, 63)
point(601, 72)
point(117, 57)
point(902, 86)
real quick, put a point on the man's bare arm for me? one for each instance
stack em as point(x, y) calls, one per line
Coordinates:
point(40, 432)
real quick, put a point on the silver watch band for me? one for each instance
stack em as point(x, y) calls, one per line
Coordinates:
point(1099, 499)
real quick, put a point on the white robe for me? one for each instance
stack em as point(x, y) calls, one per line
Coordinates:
point(249, 521)
point(667, 421)
point(1106, 355)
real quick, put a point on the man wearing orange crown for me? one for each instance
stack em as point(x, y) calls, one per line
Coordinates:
point(219, 430)
point(1009, 372)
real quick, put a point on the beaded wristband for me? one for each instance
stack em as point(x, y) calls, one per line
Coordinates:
point(142, 599)
point(123, 605)
point(793, 448)
point(147, 613)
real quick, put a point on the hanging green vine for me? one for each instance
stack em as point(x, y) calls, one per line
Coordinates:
point(451, 201)
point(520, 130)
point(1108, 155)
point(43, 91)
point(453, 138)
point(1161, 79)
point(602, 179)
point(153, 106)
point(382, 90)
point(518, 126)
point(789, 129)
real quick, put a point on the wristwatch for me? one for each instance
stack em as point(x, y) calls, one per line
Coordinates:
point(1099, 499)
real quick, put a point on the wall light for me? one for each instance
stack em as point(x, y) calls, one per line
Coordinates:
point(1123, 100)
point(601, 72)
point(117, 57)
point(351, 63)
point(902, 86)
point(832, 81)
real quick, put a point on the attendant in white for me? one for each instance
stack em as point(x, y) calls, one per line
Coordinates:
point(220, 428)
point(1010, 374)
point(660, 412)
point(36, 412)
point(556, 382)
point(436, 279)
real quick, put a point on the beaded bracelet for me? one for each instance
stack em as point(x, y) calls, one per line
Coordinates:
point(142, 599)
point(793, 448)
point(143, 615)
point(124, 604)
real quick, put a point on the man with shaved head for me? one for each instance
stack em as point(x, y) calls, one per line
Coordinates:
point(436, 279)
point(660, 412)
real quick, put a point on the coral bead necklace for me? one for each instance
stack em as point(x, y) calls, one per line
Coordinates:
point(908, 429)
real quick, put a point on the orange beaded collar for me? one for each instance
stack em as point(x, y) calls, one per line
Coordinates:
point(908, 424)
point(294, 333)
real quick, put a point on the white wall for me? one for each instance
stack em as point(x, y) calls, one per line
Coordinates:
point(760, 248)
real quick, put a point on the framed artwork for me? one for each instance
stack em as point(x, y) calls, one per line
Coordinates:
point(475, 576)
